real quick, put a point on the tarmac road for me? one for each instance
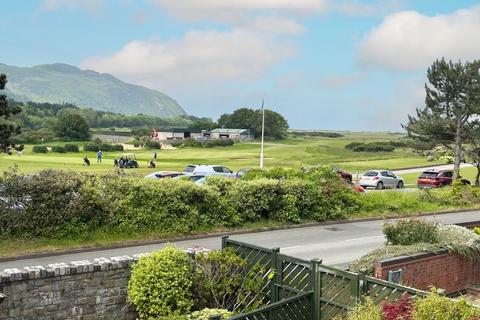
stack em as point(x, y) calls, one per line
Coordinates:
point(336, 244)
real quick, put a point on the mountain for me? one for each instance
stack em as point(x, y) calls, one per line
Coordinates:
point(59, 83)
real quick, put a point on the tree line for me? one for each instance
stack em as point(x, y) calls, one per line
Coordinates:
point(46, 121)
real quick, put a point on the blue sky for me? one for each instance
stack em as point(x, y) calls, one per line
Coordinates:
point(323, 64)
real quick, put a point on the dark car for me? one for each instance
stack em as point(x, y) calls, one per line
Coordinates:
point(343, 174)
point(437, 178)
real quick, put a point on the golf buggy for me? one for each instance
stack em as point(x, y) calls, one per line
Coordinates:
point(127, 161)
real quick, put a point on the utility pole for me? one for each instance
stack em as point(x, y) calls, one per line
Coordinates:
point(263, 133)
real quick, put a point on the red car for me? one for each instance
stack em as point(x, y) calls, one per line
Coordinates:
point(343, 174)
point(436, 179)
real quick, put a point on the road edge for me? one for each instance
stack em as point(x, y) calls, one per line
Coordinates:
point(140, 243)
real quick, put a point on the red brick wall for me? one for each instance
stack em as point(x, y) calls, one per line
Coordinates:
point(448, 271)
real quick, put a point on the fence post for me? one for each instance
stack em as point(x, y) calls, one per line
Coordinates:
point(362, 286)
point(275, 281)
point(224, 242)
point(316, 287)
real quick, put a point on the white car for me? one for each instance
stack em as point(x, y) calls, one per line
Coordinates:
point(208, 170)
point(380, 179)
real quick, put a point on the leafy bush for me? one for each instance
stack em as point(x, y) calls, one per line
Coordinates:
point(364, 311)
point(477, 230)
point(70, 147)
point(160, 285)
point(410, 231)
point(206, 313)
point(95, 147)
point(436, 307)
point(398, 310)
point(40, 149)
point(153, 144)
point(203, 144)
point(226, 281)
point(59, 149)
point(51, 204)
point(167, 206)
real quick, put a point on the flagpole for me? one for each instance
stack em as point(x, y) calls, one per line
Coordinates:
point(263, 133)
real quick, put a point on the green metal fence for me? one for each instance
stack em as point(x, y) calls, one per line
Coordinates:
point(329, 292)
point(298, 307)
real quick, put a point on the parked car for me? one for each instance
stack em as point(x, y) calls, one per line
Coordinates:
point(345, 175)
point(191, 177)
point(437, 178)
point(380, 179)
point(163, 175)
point(203, 169)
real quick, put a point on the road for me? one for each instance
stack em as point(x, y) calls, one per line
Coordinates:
point(440, 167)
point(336, 244)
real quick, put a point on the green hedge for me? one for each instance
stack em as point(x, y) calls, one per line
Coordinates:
point(62, 203)
point(202, 144)
point(58, 149)
point(40, 149)
point(70, 147)
point(95, 147)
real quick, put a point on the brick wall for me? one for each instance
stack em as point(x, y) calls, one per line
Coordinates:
point(445, 270)
point(79, 290)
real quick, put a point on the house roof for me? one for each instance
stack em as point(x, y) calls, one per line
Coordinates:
point(229, 131)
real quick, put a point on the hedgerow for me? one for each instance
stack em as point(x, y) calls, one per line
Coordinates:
point(56, 204)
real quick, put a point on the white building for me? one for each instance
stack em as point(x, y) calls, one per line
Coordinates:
point(234, 134)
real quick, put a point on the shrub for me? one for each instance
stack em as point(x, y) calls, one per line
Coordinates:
point(398, 310)
point(436, 307)
point(227, 281)
point(40, 149)
point(410, 231)
point(477, 230)
point(59, 149)
point(365, 311)
point(51, 204)
point(34, 136)
point(206, 313)
point(95, 147)
point(153, 144)
point(169, 206)
point(160, 284)
point(70, 147)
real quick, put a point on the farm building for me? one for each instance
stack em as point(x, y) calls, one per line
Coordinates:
point(175, 133)
point(235, 134)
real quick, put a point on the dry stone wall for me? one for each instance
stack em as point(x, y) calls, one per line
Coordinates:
point(78, 290)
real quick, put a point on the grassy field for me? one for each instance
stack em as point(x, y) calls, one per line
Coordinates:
point(291, 152)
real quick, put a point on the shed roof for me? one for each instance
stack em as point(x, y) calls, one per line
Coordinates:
point(229, 131)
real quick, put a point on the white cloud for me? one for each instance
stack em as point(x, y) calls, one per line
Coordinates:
point(231, 10)
point(199, 57)
point(340, 80)
point(408, 40)
point(273, 25)
point(55, 5)
point(357, 8)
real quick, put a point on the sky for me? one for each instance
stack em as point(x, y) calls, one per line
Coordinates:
point(323, 64)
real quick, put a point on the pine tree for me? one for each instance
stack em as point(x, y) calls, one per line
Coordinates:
point(7, 128)
point(452, 104)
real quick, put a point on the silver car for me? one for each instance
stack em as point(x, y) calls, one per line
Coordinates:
point(380, 179)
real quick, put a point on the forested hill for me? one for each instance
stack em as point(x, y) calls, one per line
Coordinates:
point(63, 83)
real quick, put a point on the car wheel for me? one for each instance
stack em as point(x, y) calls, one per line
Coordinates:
point(379, 186)
point(400, 185)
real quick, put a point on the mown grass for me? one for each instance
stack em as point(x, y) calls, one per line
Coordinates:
point(291, 152)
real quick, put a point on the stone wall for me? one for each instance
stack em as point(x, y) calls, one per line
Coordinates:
point(444, 270)
point(79, 290)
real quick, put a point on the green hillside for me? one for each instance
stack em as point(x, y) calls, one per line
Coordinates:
point(59, 83)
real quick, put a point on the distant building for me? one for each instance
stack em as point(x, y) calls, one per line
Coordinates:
point(234, 134)
point(175, 133)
